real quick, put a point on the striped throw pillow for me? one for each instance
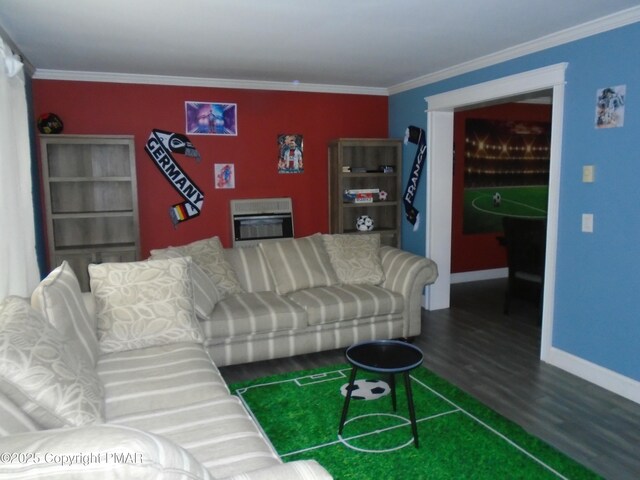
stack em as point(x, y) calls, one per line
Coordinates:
point(59, 299)
point(299, 263)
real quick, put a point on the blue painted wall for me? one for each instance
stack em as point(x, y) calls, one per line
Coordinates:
point(597, 316)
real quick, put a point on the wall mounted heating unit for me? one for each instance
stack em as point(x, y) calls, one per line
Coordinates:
point(258, 220)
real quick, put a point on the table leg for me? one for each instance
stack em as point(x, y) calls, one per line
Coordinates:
point(392, 384)
point(347, 399)
point(412, 412)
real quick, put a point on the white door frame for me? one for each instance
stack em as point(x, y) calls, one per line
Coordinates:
point(440, 167)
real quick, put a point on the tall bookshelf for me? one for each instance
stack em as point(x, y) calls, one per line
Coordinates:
point(91, 201)
point(364, 164)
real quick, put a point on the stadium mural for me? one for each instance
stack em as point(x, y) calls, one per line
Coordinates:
point(506, 172)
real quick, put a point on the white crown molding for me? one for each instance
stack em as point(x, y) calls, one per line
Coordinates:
point(594, 27)
point(79, 76)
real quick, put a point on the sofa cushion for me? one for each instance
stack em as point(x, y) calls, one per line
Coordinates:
point(219, 433)
point(251, 267)
point(156, 378)
point(346, 302)
point(205, 292)
point(99, 452)
point(208, 254)
point(355, 258)
point(41, 373)
point(140, 304)
point(13, 419)
point(59, 299)
point(299, 263)
point(249, 313)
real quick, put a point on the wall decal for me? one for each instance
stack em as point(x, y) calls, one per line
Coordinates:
point(506, 172)
point(211, 118)
point(610, 107)
point(159, 147)
point(290, 153)
point(224, 175)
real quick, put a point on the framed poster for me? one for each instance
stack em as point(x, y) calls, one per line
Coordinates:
point(224, 175)
point(290, 153)
point(211, 118)
point(610, 107)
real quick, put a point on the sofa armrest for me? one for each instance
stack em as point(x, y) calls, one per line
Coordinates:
point(298, 470)
point(408, 274)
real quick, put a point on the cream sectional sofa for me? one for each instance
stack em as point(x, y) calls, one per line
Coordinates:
point(306, 295)
point(120, 385)
point(122, 382)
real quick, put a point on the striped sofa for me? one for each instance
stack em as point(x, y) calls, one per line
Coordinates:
point(152, 406)
point(276, 311)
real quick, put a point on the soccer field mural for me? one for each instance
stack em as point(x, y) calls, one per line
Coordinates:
point(485, 207)
point(506, 172)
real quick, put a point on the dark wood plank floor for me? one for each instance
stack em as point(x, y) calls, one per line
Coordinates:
point(495, 358)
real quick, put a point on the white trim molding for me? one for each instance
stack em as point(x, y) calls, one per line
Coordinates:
point(594, 27)
point(76, 76)
point(479, 275)
point(624, 386)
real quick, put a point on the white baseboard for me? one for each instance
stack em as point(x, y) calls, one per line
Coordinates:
point(614, 382)
point(464, 277)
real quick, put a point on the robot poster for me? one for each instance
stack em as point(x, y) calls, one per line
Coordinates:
point(290, 153)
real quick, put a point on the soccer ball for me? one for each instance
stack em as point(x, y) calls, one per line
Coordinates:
point(364, 223)
point(367, 389)
point(497, 199)
point(49, 123)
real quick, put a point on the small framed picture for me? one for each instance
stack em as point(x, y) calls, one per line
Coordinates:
point(224, 175)
point(290, 153)
point(610, 106)
point(211, 118)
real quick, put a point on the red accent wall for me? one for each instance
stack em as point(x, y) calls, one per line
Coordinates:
point(131, 109)
point(481, 251)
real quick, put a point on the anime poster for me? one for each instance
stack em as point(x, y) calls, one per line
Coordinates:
point(610, 107)
point(290, 153)
point(224, 175)
point(211, 118)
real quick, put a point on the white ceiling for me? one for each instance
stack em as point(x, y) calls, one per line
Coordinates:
point(375, 44)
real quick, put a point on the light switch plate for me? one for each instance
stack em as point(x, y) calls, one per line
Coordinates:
point(588, 173)
point(587, 222)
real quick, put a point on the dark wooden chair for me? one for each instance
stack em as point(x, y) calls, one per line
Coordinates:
point(525, 241)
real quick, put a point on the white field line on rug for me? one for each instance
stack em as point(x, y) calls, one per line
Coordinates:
point(339, 374)
point(492, 430)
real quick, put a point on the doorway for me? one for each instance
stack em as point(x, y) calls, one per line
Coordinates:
point(440, 115)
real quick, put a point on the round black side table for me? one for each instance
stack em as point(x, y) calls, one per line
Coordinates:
point(389, 357)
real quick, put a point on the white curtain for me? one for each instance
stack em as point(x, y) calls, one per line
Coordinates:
point(18, 263)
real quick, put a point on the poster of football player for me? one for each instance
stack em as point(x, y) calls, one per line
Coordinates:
point(290, 153)
point(610, 107)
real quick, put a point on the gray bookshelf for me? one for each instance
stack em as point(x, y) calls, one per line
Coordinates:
point(358, 164)
point(91, 200)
